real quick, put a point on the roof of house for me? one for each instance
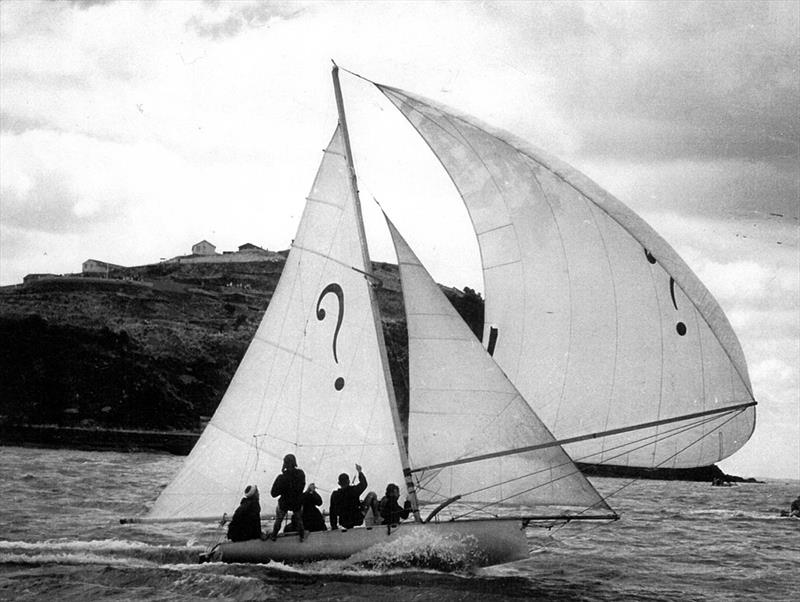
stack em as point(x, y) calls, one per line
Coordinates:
point(249, 245)
point(105, 263)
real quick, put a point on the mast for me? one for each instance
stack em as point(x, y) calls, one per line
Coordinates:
point(398, 430)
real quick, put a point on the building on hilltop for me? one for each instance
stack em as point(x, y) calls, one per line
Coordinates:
point(205, 252)
point(204, 248)
point(34, 277)
point(248, 246)
point(95, 267)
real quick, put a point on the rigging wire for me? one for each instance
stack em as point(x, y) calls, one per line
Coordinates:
point(680, 451)
point(631, 481)
point(624, 446)
point(657, 437)
point(480, 507)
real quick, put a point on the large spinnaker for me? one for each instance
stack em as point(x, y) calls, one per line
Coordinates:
point(461, 405)
point(311, 382)
point(591, 314)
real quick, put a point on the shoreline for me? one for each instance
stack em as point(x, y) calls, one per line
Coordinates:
point(180, 443)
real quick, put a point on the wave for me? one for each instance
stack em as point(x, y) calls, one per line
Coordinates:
point(70, 559)
point(420, 549)
point(723, 514)
point(95, 551)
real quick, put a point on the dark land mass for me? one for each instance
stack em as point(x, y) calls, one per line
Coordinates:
point(141, 359)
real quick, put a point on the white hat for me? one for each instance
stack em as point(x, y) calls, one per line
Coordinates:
point(251, 491)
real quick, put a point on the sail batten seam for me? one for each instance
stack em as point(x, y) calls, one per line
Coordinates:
point(325, 202)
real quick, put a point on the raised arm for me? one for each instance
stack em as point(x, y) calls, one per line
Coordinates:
point(362, 480)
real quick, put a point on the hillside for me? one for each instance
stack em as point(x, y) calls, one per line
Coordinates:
point(152, 347)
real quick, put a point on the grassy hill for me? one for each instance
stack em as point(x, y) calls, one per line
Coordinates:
point(152, 347)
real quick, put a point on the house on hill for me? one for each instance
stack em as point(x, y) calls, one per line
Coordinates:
point(248, 246)
point(94, 267)
point(34, 277)
point(205, 252)
point(204, 248)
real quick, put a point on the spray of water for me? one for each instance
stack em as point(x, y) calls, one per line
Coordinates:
point(423, 550)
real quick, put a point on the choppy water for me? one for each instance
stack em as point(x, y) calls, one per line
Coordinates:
point(61, 539)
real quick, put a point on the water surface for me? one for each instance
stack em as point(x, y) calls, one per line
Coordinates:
point(61, 539)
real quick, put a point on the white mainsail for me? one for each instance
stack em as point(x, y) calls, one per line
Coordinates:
point(591, 314)
point(311, 382)
point(461, 405)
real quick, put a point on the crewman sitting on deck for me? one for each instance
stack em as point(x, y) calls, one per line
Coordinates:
point(246, 521)
point(289, 486)
point(347, 509)
point(390, 511)
point(312, 517)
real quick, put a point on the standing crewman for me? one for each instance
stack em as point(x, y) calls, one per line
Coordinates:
point(288, 488)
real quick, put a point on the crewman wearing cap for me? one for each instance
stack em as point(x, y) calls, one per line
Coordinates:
point(246, 521)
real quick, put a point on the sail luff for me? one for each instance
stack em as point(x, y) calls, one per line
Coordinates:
point(410, 487)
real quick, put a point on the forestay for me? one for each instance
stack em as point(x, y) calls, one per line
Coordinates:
point(590, 313)
point(461, 405)
point(311, 383)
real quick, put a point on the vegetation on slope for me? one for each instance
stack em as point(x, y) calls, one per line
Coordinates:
point(155, 347)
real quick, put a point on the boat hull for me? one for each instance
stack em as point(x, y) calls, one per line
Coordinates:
point(487, 542)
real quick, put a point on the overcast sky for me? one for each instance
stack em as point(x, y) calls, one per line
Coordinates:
point(131, 130)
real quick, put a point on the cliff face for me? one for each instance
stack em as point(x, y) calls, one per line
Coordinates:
point(152, 347)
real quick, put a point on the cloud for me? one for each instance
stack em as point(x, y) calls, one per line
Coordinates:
point(719, 188)
point(56, 182)
point(750, 281)
point(228, 19)
point(676, 79)
point(779, 373)
point(17, 125)
point(85, 4)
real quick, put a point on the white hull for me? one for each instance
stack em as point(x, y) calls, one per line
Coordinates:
point(489, 541)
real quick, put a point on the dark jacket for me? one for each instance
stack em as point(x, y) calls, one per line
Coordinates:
point(246, 521)
point(391, 512)
point(312, 517)
point(289, 485)
point(346, 505)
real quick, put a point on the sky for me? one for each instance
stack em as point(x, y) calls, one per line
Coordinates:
point(131, 130)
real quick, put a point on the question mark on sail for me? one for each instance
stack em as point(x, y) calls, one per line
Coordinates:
point(336, 290)
point(680, 326)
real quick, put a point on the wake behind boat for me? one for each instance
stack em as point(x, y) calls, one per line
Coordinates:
point(315, 380)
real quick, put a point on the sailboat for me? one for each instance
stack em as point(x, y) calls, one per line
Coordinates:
point(480, 462)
